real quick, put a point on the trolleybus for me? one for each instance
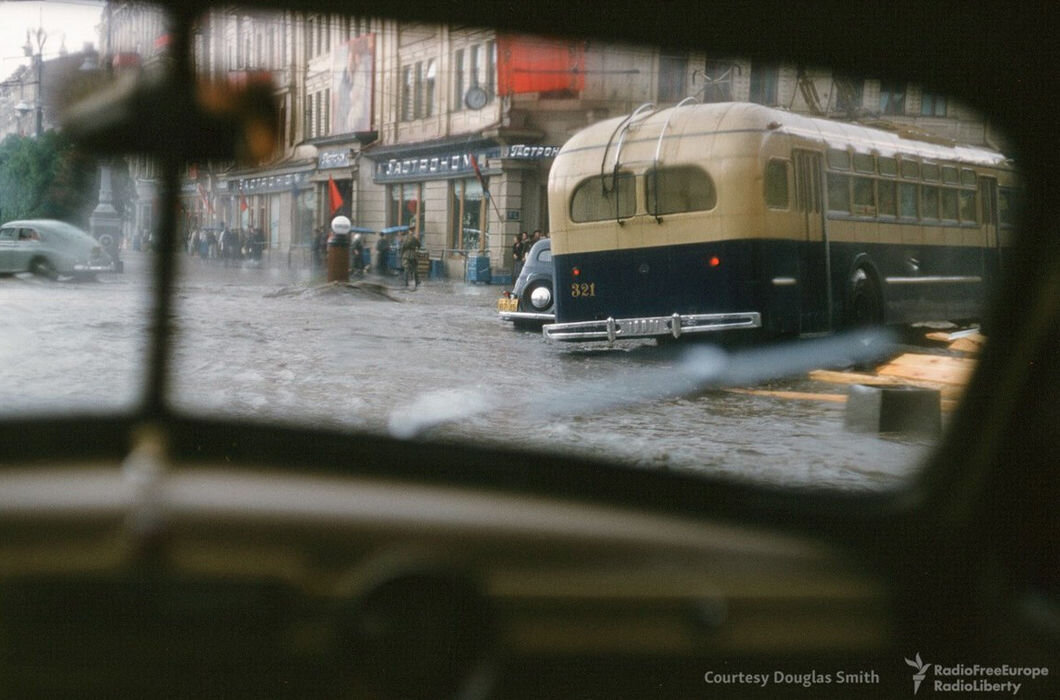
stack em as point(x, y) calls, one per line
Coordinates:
point(705, 218)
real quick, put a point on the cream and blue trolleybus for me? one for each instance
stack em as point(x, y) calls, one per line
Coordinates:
point(723, 217)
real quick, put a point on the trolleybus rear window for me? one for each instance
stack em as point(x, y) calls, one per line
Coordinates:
point(679, 189)
point(604, 197)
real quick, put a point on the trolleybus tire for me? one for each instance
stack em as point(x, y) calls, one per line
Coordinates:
point(866, 306)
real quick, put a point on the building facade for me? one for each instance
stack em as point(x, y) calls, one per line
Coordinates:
point(450, 130)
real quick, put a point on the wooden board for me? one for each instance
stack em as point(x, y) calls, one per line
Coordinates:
point(947, 405)
point(933, 368)
point(948, 391)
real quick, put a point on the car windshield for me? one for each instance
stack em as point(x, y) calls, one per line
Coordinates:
point(757, 271)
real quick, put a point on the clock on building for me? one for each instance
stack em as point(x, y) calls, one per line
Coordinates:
point(475, 98)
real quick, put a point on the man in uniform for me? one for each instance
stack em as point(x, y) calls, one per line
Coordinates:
point(409, 248)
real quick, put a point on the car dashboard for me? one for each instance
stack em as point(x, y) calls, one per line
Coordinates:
point(152, 577)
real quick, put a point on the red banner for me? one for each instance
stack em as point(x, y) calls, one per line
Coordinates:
point(334, 198)
point(539, 64)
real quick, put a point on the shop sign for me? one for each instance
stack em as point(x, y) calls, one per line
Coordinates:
point(456, 164)
point(447, 165)
point(334, 159)
point(531, 152)
point(273, 183)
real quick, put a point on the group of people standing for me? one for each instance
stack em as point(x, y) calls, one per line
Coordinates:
point(230, 245)
point(408, 246)
point(521, 248)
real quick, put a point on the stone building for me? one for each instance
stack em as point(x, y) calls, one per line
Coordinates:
point(450, 130)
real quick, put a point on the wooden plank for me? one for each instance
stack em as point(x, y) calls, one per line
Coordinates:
point(800, 395)
point(933, 368)
point(947, 405)
point(823, 375)
point(970, 343)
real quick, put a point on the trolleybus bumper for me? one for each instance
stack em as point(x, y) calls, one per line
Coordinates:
point(613, 329)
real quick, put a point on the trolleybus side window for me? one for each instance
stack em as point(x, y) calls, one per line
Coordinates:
point(949, 204)
point(929, 202)
point(603, 197)
point(887, 199)
point(777, 184)
point(837, 159)
point(887, 190)
point(864, 163)
point(907, 200)
point(864, 196)
point(1007, 203)
point(839, 193)
point(968, 208)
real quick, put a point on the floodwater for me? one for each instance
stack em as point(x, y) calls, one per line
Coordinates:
point(436, 363)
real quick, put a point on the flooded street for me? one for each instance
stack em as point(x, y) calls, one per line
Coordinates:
point(435, 362)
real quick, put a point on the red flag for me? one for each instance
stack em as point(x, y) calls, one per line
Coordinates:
point(334, 198)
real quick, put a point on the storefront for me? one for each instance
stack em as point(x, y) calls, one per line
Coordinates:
point(466, 198)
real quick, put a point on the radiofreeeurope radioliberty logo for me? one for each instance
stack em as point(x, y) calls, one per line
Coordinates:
point(974, 678)
point(921, 672)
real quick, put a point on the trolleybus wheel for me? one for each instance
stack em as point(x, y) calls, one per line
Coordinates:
point(866, 307)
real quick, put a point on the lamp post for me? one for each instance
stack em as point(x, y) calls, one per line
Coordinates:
point(23, 107)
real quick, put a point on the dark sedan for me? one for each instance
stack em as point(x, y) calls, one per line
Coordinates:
point(530, 304)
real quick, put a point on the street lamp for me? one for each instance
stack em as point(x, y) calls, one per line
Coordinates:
point(23, 107)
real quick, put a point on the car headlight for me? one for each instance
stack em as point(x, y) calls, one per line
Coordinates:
point(541, 297)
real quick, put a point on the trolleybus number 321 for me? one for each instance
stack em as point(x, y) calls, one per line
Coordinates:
point(582, 289)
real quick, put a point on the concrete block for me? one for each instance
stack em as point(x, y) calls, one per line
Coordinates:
point(893, 409)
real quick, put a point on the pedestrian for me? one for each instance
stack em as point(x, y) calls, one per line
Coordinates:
point(320, 242)
point(518, 255)
point(382, 247)
point(410, 248)
point(230, 246)
point(357, 254)
point(257, 244)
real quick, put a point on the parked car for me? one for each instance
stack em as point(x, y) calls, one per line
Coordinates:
point(531, 301)
point(50, 249)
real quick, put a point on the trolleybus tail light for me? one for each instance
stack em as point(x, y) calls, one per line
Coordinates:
point(575, 271)
point(714, 261)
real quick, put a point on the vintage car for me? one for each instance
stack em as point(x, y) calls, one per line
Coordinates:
point(530, 303)
point(50, 249)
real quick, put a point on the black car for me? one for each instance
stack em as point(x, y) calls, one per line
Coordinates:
point(531, 301)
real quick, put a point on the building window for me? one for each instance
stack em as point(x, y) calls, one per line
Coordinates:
point(417, 90)
point(467, 211)
point(764, 80)
point(932, 104)
point(672, 70)
point(407, 87)
point(892, 98)
point(406, 205)
point(849, 92)
point(490, 78)
point(458, 80)
point(429, 76)
point(717, 81)
point(475, 66)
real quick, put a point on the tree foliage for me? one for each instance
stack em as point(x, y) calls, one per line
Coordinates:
point(48, 177)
